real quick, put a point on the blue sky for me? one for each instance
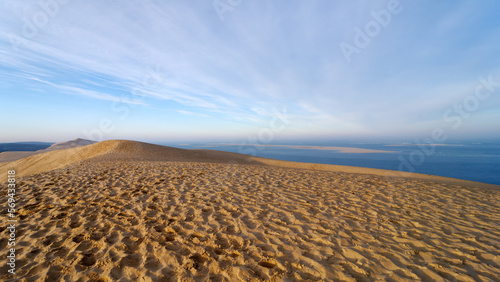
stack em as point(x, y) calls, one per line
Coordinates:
point(229, 70)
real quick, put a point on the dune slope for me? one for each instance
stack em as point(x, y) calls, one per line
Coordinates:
point(117, 150)
point(125, 150)
point(10, 156)
point(132, 220)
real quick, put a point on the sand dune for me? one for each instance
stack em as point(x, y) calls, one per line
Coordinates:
point(78, 142)
point(125, 150)
point(117, 150)
point(131, 211)
point(10, 156)
point(350, 150)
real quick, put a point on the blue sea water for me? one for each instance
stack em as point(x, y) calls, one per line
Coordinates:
point(474, 161)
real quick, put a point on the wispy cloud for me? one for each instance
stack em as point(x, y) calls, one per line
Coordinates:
point(193, 114)
point(263, 55)
point(90, 93)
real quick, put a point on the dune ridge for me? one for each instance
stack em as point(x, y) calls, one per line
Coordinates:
point(126, 150)
point(78, 142)
point(131, 211)
point(10, 156)
point(117, 150)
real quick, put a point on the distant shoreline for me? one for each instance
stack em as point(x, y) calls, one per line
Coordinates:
point(351, 150)
point(429, 144)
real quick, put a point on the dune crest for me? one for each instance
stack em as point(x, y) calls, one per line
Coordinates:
point(117, 150)
point(11, 156)
point(126, 150)
point(78, 142)
point(126, 210)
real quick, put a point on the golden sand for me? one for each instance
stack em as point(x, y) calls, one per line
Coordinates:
point(10, 156)
point(122, 210)
point(350, 150)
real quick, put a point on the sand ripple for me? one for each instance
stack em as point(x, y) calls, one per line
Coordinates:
point(173, 221)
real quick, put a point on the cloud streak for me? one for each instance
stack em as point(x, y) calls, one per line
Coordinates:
point(264, 55)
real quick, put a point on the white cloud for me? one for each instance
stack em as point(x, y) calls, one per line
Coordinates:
point(263, 55)
point(90, 93)
point(193, 114)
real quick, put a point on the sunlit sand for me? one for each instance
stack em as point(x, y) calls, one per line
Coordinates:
point(351, 150)
point(129, 210)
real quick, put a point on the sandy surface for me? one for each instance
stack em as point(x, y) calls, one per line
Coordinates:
point(10, 156)
point(114, 216)
point(428, 144)
point(351, 150)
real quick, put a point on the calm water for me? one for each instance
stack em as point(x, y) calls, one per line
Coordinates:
point(476, 162)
